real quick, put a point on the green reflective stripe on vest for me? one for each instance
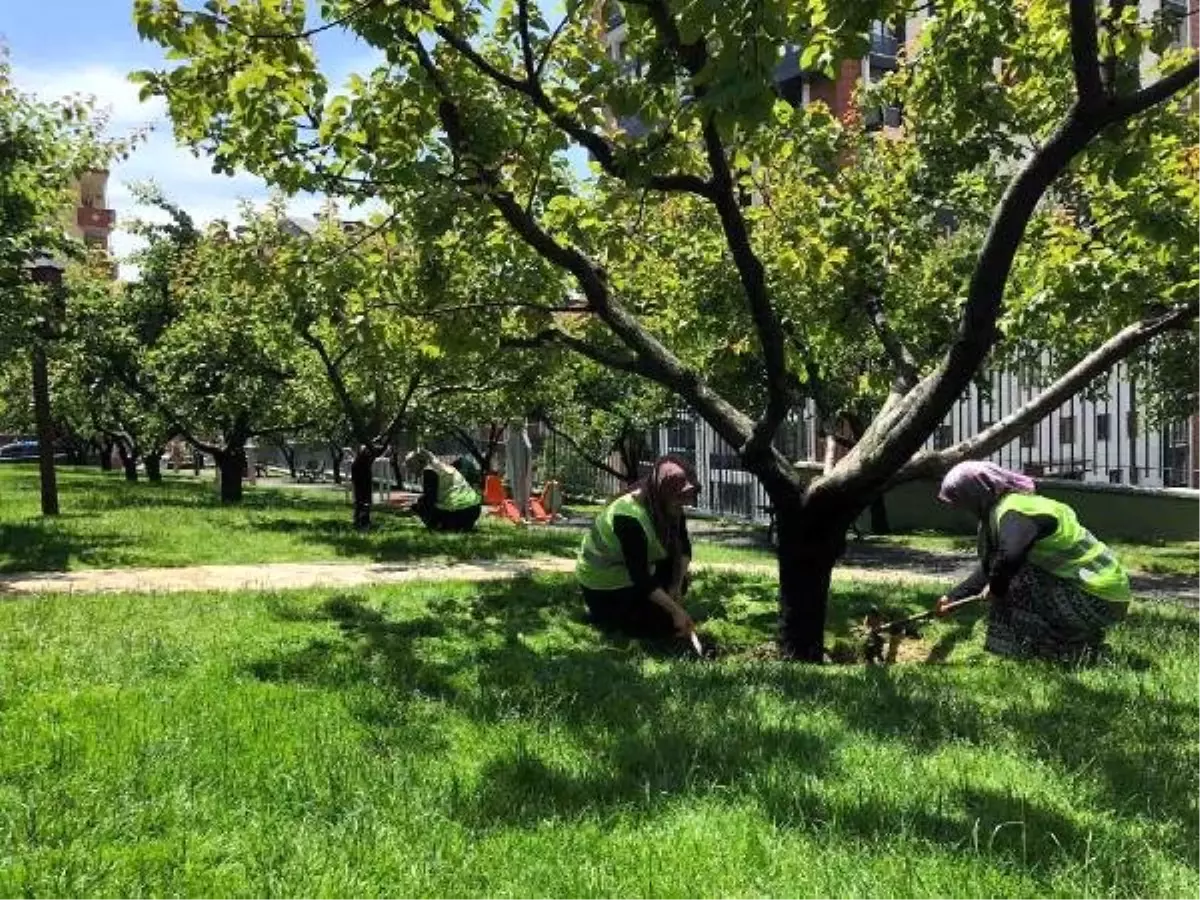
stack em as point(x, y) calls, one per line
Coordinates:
point(453, 491)
point(600, 564)
point(1071, 552)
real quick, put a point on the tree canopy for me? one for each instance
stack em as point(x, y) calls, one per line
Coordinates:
point(1017, 118)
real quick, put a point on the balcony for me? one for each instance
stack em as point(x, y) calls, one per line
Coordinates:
point(94, 217)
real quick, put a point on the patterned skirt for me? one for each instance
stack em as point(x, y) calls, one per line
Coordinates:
point(1046, 617)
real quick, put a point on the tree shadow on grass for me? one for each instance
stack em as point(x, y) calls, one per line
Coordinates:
point(518, 661)
point(38, 545)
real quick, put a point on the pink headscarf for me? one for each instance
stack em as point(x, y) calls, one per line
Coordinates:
point(976, 485)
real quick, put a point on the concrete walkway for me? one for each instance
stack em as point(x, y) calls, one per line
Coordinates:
point(288, 576)
point(283, 576)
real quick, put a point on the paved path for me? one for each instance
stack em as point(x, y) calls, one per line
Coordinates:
point(284, 576)
point(281, 576)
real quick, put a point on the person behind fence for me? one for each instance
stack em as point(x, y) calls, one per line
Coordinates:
point(447, 501)
point(633, 564)
point(1054, 589)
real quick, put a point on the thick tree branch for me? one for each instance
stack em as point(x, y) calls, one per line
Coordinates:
point(1099, 361)
point(724, 196)
point(1165, 88)
point(526, 42)
point(1085, 54)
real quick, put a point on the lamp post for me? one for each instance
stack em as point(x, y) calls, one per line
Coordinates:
point(47, 272)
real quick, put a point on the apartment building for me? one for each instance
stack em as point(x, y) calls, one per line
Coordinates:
point(91, 221)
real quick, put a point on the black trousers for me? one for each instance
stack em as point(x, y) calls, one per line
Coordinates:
point(632, 612)
point(447, 520)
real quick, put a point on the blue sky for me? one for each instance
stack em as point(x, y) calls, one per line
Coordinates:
point(60, 47)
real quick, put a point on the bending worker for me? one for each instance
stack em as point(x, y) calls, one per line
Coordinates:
point(447, 501)
point(1054, 589)
point(633, 563)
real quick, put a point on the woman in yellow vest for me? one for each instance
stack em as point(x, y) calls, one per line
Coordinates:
point(633, 563)
point(447, 501)
point(1054, 589)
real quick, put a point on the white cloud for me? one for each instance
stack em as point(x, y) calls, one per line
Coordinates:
point(184, 178)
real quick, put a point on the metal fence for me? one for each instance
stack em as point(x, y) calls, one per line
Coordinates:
point(1097, 440)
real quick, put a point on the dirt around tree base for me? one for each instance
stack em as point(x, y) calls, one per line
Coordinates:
point(846, 652)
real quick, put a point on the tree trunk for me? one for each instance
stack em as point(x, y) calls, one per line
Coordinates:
point(397, 470)
point(129, 459)
point(879, 516)
point(106, 449)
point(45, 431)
point(337, 454)
point(362, 482)
point(153, 464)
point(808, 551)
point(232, 463)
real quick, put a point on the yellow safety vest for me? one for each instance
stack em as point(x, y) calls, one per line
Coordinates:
point(600, 565)
point(453, 491)
point(1071, 552)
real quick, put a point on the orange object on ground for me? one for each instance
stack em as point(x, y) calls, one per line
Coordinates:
point(509, 510)
point(493, 491)
point(537, 511)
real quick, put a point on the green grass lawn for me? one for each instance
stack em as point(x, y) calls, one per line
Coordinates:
point(462, 740)
point(108, 523)
point(1156, 558)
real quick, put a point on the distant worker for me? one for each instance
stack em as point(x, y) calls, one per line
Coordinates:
point(633, 564)
point(447, 501)
point(1053, 588)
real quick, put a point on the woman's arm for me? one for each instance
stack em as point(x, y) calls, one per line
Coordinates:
point(1017, 533)
point(636, 554)
point(969, 586)
point(683, 562)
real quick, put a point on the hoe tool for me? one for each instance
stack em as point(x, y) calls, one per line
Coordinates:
point(873, 647)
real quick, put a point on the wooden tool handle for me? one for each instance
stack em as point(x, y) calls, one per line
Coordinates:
point(947, 607)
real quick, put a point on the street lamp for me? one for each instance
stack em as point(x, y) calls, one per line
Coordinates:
point(49, 273)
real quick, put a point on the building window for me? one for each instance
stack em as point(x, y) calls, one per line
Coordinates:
point(1114, 476)
point(1102, 420)
point(1029, 438)
point(943, 437)
point(1175, 20)
point(1131, 424)
point(1066, 430)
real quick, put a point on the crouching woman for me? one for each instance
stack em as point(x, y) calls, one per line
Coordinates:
point(1054, 589)
point(447, 501)
point(633, 564)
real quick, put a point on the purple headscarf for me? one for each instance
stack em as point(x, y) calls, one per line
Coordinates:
point(975, 485)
